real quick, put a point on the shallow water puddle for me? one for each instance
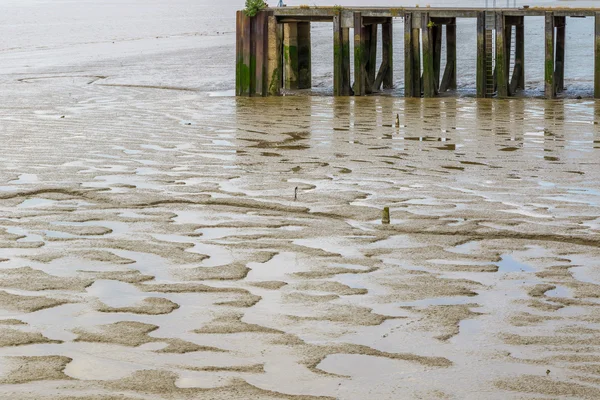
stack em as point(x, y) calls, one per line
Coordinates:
point(509, 264)
point(115, 293)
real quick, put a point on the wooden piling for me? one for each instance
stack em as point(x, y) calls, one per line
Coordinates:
point(409, 57)
point(244, 70)
point(341, 57)
point(259, 51)
point(559, 68)
point(549, 87)
point(597, 57)
point(436, 36)
point(274, 56)
point(290, 55)
point(304, 56)
point(387, 53)
point(359, 56)
point(428, 62)
point(449, 78)
point(520, 54)
point(372, 60)
point(481, 56)
point(502, 56)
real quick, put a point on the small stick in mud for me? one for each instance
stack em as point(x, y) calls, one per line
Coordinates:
point(296, 193)
point(397, 121)
point(385, 218)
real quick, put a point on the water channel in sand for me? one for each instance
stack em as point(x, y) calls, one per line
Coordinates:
point(151, 246)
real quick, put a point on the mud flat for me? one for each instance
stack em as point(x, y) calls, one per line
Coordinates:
point(154, 251)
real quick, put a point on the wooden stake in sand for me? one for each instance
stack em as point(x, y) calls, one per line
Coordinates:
point(385, 218)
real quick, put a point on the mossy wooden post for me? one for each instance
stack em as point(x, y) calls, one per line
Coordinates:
point(549, 87)
point(559, 68)
point(410, 90)
point(449, 78)
point(502, 56)
point(481, 56)
point(387, 53)
point(274, 56)
point(428, 63)
point(385, 216)
point(597, 57)
point(259, 51)
point(304, 56)
point(341, 58)
point(244, 77)
point(290, 55)
point(359, 56)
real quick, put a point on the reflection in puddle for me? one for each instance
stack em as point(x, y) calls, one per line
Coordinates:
point(509, 264)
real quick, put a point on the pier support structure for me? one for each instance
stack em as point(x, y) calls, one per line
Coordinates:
point(296, 55)
point(273, 49)
point(429, 29)
point(508, 84)
point(368, 78)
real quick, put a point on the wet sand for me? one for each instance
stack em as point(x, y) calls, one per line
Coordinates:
point(153, 248)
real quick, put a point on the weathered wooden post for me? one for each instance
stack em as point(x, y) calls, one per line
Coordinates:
point(412, 56)
point(259, 53)
point(387, 53)
point(549, 87)
point(518, 79)
point(304, 56)
point(372, 34)
point(341, 57)
point(290, 55)
point(244, 71)
point(449, 78)
point(502, 56)
point(597, 57)
point(559, 74)
point(481, 56)
point(274, 56)
point(360, 56)
point(428, 62)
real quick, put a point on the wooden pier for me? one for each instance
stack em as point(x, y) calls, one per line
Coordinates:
point(274, 49)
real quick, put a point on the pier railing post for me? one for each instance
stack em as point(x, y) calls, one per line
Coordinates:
point(549, 87)
point(274, 57)
point(597, 57)
point(428, 62)
point(502, 56)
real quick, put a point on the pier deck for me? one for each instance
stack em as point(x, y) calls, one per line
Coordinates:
point(274, 49)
